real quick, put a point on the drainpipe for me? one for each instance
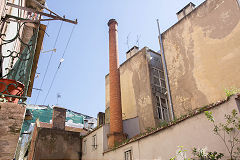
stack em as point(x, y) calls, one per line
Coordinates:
point(165, 70)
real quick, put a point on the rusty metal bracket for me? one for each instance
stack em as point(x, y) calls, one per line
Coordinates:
point(53, 17)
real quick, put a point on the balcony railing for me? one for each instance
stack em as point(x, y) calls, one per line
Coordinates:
point(16, 64)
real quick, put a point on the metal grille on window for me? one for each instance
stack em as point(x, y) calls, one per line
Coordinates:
point(128, 155)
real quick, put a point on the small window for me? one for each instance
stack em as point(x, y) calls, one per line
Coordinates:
point(85, 146)
point(162, 108)
point(128, 155)
point(94, 141)
point(159, 113)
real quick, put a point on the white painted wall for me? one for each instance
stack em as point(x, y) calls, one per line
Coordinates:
point(10, 32)
point(193, 132)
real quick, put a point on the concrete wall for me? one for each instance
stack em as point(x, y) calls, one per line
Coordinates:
point(11, 119)
point(57, 144)
point(135, 90)
point(196, 131)
point(203, 53)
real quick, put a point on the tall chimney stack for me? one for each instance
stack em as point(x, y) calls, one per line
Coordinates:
point(116, 126)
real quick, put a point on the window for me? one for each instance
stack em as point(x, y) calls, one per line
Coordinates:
point(128, 155)
point(85, 146)
point(162, 108)
point(94, 141)
point(159, 80)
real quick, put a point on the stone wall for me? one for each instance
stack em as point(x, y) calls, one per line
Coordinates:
point(57, 144)
point(202, 54)
point(11, 119)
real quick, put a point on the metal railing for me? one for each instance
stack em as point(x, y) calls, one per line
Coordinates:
point(19, 62)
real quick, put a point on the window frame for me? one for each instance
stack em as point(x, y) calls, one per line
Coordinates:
point(94, 141)
point(164, 115)
point(128, 152)
point(159, 78)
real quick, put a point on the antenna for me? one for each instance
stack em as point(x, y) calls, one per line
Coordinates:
point(127, 42)
point(58, 96)
point(137, 41)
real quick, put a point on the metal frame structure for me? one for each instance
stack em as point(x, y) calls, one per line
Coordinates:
point(21, 70)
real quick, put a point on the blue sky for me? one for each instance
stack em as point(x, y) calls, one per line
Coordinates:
point(81, 77)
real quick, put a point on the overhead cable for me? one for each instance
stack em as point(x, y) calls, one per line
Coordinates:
point(54, 46)
point(61, 60)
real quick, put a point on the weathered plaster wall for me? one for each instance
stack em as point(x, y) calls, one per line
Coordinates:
point(89, 151)
point(203, 54)
point(196, 131)
point(57, 144)
point(135, 90)
point(11, 119)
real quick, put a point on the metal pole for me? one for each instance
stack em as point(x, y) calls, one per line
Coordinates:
point(165, 70)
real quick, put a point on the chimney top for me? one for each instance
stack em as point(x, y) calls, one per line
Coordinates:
point(112, 21)
point(186, 10)
point(59, 117)
point(132, 52)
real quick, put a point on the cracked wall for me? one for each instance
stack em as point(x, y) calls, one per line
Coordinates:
point(202, 54)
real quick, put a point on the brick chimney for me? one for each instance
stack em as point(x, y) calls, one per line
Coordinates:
point(59, 118)
point(116, 126)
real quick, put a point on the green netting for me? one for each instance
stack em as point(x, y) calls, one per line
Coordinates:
point(44, 114)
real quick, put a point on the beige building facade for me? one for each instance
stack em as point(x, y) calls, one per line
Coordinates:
point(142, 80)
point(202, 52)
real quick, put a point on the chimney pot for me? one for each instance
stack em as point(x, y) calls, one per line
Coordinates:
point(112, 21)
point(132, 52)
point(59, 118)
point(186, 10)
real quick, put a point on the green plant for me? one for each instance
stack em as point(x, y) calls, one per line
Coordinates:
point(231, 91)
point(202, 154)
point(181, 154)
point(163, 124)
point(228, 132)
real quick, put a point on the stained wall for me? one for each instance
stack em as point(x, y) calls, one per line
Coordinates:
point(202, 54)
point(11, 119)
point(57, 144)
point(135, 90)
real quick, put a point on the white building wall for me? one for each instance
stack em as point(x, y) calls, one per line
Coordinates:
point(10, 31)
point(193, 132)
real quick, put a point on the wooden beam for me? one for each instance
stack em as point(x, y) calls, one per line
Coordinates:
point(40, 37)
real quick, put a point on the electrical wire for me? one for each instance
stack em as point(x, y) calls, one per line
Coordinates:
point(55, 74)
point(54, 46)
